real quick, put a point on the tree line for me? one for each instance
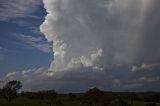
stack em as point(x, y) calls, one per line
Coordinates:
point(92, 97)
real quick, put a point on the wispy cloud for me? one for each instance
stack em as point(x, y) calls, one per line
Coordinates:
point(2, 56)
point(144, 67)
point(25, 73)
point(11, 9)
point(36, 42)
point(35, 30)
point(2, 52)
point(21, 23)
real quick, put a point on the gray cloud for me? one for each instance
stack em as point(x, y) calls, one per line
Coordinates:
point(116, 79)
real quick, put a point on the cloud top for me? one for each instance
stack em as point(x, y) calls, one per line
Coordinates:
point(79, 28)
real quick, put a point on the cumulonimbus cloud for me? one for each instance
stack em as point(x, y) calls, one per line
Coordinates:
point(79, 29)
point(111, 44)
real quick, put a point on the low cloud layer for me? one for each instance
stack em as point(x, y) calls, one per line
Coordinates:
point(119, 78)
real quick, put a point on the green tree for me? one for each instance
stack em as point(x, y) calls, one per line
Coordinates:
point(94, 97)
point(118, 101)
point(10, 90)
point(51, 96)
point(1, 93)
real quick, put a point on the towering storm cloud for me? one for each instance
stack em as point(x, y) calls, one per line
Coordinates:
point(110, 44)
point(101, 33)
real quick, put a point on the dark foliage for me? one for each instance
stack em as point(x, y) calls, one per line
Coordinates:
point(10, 90)
point(151, 104)
point(43, 95)
point(1, 93)
point(94, 97)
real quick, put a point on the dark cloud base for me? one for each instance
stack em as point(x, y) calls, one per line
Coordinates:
point(114, 79)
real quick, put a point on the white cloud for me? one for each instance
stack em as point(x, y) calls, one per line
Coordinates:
point(144, 67)
point(117, 28)
point(11, 9)
point(86, 62)
point(35, 30)
point(20, 23)
point(78, 28)
point(12, 74)
point(36, 42)
point(146, 79)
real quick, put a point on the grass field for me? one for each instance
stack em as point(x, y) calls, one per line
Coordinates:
point(28, 102)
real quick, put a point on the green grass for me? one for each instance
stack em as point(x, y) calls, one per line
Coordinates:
point(29, 102)
point(22, 102)
point(139, 103)
point(65, 102)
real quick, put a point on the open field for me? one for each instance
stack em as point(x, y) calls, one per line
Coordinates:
point(21, 101)
point(91, 97)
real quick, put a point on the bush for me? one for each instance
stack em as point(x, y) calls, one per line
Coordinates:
point(151, 104)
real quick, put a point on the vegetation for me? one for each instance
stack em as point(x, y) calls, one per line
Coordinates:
point(92, 97)
point(9, 91)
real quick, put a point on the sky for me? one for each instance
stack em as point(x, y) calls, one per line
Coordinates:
point(22, 45)
point(73, 45)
